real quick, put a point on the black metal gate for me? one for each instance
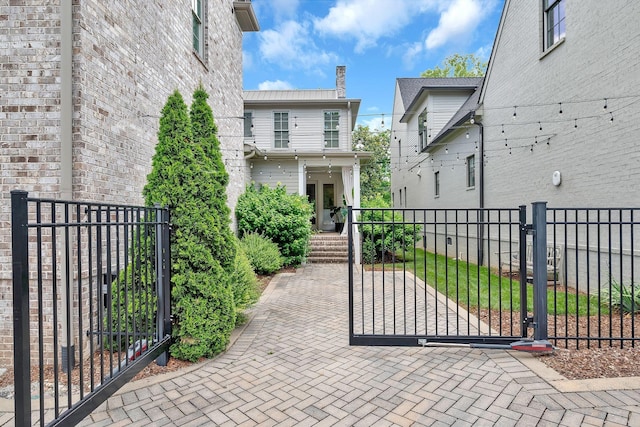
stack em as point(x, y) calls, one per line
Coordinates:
point(91, 302)
point(425, 276)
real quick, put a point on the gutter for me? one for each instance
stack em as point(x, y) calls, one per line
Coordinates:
point(481, 198)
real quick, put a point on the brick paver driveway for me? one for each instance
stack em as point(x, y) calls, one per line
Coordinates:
point(292, 365)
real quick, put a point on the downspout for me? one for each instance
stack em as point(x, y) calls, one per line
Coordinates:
point(66, 174)
point(481, 199)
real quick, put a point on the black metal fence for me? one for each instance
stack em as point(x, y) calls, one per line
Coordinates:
point(490, 276)
point(91, 302)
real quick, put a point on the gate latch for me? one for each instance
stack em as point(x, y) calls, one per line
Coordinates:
point(528, 322)
point(528, 229)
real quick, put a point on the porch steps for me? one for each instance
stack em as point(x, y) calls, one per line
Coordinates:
point(328, 248)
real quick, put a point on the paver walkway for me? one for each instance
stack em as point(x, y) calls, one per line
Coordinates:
point(292, 365)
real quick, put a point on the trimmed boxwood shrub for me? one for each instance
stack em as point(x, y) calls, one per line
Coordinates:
point(263, 253)
point(284, 218)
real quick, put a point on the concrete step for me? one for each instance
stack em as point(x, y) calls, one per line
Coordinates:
point(328, 248)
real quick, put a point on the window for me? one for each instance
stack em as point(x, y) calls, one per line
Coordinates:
point(554, 28)
point(436, 181)
point(422, 129)
point(281, 129)
point(471, 171)
point(248, 124)
point(331, 129)
point(198, 29)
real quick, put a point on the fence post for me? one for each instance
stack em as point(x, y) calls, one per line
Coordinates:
point(351, 261)
point(524, 313)
point(21, 334)
point(540, 271)
point(163, 278)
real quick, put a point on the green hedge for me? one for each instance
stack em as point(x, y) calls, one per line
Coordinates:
point(284, 218)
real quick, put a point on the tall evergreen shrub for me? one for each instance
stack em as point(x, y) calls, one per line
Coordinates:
point(186, 178)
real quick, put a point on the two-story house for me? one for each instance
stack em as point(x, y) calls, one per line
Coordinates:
point(554, 120)
point(302, 140)
point(433, 153)
point(82, 85)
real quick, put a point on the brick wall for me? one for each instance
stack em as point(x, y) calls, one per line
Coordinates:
point(128, 57)
point(599, 160)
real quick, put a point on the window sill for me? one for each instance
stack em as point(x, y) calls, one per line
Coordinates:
point(471, 188)
point(199, 58)
point(552, 48)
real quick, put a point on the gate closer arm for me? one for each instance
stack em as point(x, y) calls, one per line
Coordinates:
point(530, 346)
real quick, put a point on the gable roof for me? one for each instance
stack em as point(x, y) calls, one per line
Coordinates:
point(411, 88)
point(462, 115)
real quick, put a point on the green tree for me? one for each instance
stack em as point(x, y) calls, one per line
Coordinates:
point(375, 176)
point(185, 178)
point(457, 65)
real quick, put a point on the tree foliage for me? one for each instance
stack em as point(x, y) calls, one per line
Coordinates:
point(375, 176)
point(188, 177)
point(457, 65)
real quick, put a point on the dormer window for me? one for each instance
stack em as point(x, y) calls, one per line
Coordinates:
point(422, 129)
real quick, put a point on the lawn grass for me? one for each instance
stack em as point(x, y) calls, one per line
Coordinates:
point(478, 286)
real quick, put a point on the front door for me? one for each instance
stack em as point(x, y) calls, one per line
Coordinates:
point(328, 202)
point(311, 196)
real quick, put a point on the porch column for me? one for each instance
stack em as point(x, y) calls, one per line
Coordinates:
point(302, 179)
point(356, 184)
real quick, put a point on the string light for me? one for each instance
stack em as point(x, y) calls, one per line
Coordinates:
point(560, 112)
point(575, 123)
point(514, 112)
point(605, 105)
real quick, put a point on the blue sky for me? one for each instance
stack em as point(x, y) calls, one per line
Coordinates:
point(301, 42)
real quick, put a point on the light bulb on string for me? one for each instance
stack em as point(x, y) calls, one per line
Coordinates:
point(279, 166)
point(467, 135)
point(502, 128)
point(611, 119)
point(575, 123)
point(265, 157)
point(251, 165)
point(295, 156)
point(531, 149)
point(605, 105)
point(540, 125)
point(560, 112)
point(446, 150)
point(515, 114)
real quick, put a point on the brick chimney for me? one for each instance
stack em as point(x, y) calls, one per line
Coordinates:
point(341, 87)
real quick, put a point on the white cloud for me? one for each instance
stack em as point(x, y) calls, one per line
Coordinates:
point(458, 20)
point(374, 123)
point(366, 20)
point(275, 85)
point(411, 53)
point(284, 9)
point(291, 46)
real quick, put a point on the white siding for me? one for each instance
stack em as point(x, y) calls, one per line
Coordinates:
point(307, 136)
